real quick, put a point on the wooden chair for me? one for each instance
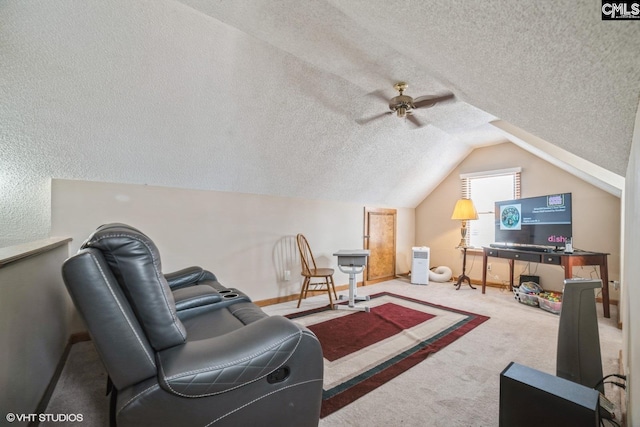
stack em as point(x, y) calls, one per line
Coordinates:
point(310, 272)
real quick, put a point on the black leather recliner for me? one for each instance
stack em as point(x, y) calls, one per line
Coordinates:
point(182, 349)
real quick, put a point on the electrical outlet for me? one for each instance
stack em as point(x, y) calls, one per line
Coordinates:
point(489, 267)
point(287, 275)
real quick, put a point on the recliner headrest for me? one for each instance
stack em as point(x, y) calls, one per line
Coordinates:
point(135, 262)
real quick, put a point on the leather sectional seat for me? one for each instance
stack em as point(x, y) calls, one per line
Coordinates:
point(181, 349)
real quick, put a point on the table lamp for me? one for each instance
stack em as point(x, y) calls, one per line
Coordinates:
point(464, 211)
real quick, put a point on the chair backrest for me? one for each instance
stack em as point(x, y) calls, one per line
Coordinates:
point(115, 330)
point(135, 262)
point(306, 256)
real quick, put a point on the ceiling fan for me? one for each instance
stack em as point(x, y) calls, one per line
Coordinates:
point(404, 105)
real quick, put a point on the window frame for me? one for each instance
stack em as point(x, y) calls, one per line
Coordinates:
point(466, 180)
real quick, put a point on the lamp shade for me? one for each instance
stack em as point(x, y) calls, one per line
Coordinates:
point(464, 210)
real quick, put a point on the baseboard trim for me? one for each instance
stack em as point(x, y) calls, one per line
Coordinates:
point(294, 297)
point(500, 285)
point(46, 396)
point(489, 284)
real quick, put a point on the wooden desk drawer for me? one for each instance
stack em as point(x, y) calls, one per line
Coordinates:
point(520, 256)
point(551, 259)
point(492, 252)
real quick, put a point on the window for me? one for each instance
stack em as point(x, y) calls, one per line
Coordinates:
point(485, 188)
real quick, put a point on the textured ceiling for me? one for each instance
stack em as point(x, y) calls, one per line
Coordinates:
point(554, 69)
point(263, 96)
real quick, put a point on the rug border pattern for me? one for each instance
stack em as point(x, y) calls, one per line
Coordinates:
point(351, 390)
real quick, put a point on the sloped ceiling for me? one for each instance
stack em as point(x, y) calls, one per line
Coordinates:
point(263, 96)
point(554, 69)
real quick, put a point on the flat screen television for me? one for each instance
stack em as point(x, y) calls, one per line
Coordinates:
point(537, 221)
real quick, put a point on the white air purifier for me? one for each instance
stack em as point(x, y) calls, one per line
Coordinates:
point(420, 266)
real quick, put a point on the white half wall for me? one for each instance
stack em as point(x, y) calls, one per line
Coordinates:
point(35, 314)
point(247, 240)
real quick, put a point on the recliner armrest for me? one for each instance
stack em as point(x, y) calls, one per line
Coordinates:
point(195, 296)
point(188, 276)
point(219, 364)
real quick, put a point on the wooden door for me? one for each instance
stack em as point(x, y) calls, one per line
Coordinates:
point(380, 239)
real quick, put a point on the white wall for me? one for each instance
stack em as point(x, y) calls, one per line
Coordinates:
point(596, 217)
point(631, 292)
point(246, 240)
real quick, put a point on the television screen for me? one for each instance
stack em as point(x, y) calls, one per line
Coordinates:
point(542, 220)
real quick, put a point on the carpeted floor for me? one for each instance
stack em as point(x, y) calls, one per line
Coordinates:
point(457, 386)
point(363, 350)
point(81, 389)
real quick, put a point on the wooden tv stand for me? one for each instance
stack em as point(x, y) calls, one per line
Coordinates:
point(566, 261)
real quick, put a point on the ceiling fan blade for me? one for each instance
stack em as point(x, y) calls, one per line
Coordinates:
point(431, 100)
point(370, 119)
point(413, 119)
point(379, 94)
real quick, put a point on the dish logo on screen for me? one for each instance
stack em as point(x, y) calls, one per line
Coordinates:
point(555, 200)
point(510, 216)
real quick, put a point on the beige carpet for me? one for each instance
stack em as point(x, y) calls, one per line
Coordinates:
point(458, 386)
point(363, 350)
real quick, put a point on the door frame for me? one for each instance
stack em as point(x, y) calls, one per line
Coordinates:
point(366, 237)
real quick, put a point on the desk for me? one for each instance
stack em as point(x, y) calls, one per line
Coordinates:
point(567, 261)
point(352, 262)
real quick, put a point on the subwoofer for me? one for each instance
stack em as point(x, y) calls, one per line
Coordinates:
point(531, 398)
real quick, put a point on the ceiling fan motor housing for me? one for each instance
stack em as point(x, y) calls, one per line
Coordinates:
point(401, 104)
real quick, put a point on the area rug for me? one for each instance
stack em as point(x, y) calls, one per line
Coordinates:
point(363, 350)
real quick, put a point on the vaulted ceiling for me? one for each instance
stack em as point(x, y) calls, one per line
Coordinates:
point(263, 96)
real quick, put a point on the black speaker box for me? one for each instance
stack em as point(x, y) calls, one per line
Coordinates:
point(525, 278)
point(531, 398)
